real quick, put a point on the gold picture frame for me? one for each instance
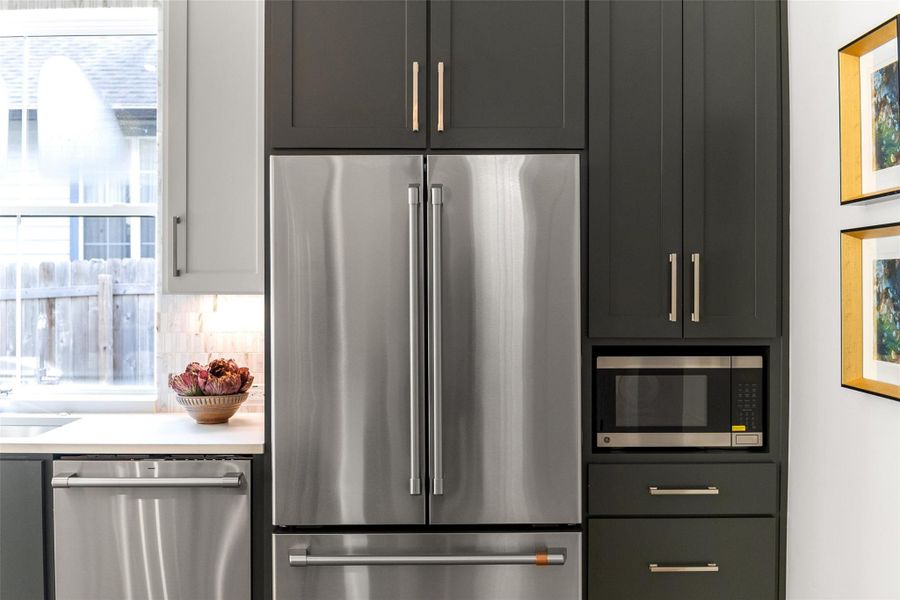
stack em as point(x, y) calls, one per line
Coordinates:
point(869, 95)
point(859, 354)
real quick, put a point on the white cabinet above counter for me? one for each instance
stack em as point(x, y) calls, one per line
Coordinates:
point(212, 140)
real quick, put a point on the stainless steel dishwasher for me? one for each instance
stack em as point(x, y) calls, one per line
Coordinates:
point(152, 529)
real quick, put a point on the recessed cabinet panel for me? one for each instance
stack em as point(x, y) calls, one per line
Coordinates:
point(732, 158)
point(343, 74)
point(635, 169)
point(507, 74)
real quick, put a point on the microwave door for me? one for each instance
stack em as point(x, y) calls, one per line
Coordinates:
point(653, 406)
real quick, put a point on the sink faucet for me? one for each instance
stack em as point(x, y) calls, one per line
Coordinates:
point(5, 391)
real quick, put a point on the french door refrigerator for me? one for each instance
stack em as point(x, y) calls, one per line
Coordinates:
point(425, 335)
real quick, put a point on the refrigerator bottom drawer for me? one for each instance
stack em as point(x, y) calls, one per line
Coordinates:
point(428, 566)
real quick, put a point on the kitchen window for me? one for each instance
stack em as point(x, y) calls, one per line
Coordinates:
point(79, 187)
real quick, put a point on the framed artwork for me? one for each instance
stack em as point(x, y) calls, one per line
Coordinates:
point(870, 309)
point(870, 115)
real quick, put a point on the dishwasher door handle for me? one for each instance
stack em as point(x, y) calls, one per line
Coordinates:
point(72, 480)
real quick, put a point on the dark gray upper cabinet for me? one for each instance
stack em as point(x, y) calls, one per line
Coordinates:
point(685, 157)
point(513, 74)
point(732, 158)
point(340, 74)
point(634, 167)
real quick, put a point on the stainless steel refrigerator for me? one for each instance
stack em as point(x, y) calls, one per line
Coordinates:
point(425, 332)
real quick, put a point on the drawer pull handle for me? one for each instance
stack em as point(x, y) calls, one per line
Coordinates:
point(707, 491)
point(707, 568)
point(542, 558)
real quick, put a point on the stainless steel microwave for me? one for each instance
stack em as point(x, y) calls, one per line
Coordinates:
point(679, 401)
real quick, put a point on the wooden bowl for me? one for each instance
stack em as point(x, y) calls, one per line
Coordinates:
point(210, 410)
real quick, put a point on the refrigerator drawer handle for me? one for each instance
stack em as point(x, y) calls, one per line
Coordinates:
point(544, 558)
point(437, 455)
point(72, 480)
point(415, 480)
point(707, 568)
point(707, 491)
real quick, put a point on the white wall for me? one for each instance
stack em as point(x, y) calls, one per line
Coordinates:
point(844, 493)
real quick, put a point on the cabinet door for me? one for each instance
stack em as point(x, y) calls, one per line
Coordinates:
point(732, 159)
point(22, 541)
point(341, 74)
point(634, 232)
point(507, 74)
point(213, 211)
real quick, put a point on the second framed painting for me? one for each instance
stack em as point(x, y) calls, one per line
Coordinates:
point(870, 309)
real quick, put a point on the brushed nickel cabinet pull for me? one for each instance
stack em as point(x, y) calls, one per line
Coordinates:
point(176, 221)
point(707, 568)
point(440, 100)
point(707, 491)
point(673, 287)
point(695, 313)
point(415, 95)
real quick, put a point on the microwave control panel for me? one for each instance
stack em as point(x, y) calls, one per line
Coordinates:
point(747, 418)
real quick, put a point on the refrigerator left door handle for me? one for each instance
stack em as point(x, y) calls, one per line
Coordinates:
point(437, 455)
point(415, 478)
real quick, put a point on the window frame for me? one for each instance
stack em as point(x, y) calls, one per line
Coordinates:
point(97, 396)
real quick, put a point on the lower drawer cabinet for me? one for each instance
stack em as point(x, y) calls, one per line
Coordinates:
point(682, 559)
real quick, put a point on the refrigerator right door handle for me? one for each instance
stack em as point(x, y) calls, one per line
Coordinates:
point(437, 456)
point(415, 480)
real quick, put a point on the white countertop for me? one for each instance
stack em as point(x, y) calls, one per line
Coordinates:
point(159, 433)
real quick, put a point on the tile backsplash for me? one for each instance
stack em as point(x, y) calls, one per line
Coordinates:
point(203, 327)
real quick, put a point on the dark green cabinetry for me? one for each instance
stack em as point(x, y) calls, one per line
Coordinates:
point(354, 74)
point(21, 529)
point(634, 166)
point(731, 165)
point(677, 559)
point(672, 531)
point(684, 163)
point(683, 489)
point(513, 73)
point(340, 74)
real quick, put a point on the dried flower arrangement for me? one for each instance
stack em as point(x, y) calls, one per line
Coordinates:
point(212, 393)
